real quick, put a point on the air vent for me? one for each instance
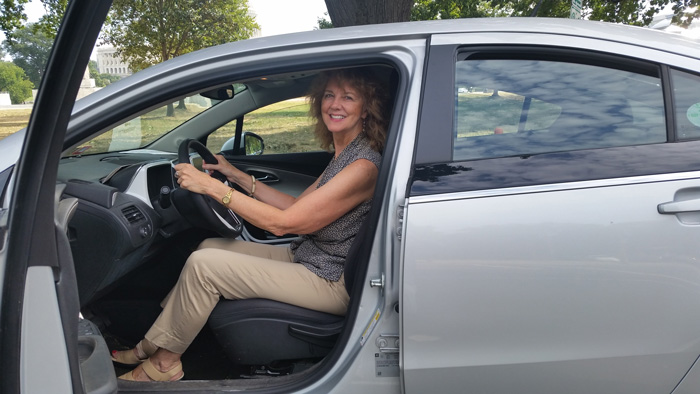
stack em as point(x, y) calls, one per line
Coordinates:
point(133, 214)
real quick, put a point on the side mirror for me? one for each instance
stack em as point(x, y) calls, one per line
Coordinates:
point(253, 144)
point(222, 93)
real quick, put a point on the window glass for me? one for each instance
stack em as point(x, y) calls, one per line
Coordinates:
point(285, 127)
point(686, 98)
point(522, 107)
point(143, 130)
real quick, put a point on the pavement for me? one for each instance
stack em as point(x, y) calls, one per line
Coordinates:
point(16, 106)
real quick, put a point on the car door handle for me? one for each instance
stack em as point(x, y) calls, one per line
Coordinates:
point(673, 207)
point(266, 178)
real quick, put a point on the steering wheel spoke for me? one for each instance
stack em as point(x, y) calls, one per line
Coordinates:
point(200, 210)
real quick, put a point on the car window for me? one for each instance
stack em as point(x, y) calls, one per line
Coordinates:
point(285, 127)
point(143, 130)
point(508, 107)
point(686, 97)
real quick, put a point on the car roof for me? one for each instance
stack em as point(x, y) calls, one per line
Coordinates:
point(641, 36)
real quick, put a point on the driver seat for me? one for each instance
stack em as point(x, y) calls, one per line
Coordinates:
point(259, 331)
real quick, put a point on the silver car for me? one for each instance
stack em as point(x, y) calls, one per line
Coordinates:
point(535, 226)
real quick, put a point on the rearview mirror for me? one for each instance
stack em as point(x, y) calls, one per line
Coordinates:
point(222, 93)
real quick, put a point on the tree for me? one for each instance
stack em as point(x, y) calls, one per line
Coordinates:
point(636, 12)
point(13, 81)
point(148, 32)
point(12, 17)
point(30, 51)
point(51, 20)
point(324, 23)
point(454, 9)
point(366, 12)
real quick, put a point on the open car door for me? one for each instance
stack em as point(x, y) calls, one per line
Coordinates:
point(40, 350)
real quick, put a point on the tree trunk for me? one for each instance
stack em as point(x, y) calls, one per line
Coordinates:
point(367, 12)
point(170, 111)
point(181, 104)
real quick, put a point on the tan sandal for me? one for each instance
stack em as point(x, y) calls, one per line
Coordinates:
point(135, 356)
point(154, 374)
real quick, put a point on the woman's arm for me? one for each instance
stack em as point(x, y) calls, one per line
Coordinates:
point(263, 192)
point(313, 210)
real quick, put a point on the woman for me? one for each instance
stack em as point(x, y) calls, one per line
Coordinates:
point(349, 108)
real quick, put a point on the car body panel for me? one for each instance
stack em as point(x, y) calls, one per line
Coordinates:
point(548, 287)
point(598, 280)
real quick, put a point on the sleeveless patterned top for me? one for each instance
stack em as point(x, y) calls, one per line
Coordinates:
point(324, 251)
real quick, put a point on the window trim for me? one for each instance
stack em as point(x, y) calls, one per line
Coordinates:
point(436, 124)
point(554, 168)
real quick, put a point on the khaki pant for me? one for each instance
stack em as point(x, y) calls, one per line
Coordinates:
point(238, 269)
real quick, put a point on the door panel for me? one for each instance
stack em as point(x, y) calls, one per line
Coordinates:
point(290, 173)
point(583, 288)
point(31, 260)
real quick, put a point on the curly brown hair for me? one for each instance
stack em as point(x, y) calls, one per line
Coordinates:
point(374, 96)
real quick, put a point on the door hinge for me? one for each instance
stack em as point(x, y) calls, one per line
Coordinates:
point(388, 343)
point(399, 221)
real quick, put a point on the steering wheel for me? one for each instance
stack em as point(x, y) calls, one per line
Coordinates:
point(201, 210)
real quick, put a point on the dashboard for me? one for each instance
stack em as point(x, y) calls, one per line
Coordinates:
point(124, 213)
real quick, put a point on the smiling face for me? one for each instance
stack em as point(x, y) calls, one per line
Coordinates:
point(342, 108)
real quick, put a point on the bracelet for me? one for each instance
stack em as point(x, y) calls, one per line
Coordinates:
point(252, 189)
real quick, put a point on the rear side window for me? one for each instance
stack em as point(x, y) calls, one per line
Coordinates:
point(285, 127)
point(686, 97)
point(516, 107)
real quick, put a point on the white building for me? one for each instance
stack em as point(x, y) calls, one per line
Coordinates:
point(109, 62)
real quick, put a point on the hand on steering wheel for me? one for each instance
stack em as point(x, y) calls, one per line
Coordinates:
point(199, 209)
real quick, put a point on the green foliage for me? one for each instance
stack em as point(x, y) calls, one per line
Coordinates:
point(634, 12)
point(30, 50)
point(51, 20)
point(14, 81)
point(12, 17)
point(324, 23)
point(148, 32)
point(454, 9)
point(685, 11)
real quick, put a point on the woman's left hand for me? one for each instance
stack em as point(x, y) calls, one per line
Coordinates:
point(190, 178)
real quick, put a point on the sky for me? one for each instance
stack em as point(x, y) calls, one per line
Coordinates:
point(274, 16)
point(285, 16)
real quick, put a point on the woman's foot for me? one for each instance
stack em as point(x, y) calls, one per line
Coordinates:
point(135, 356)
point(153, 371)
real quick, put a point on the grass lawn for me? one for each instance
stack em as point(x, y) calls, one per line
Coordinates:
point(12, 120)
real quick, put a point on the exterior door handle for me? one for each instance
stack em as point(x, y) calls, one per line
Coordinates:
point(674, 207)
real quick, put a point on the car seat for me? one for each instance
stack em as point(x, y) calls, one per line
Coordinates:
point(260, 331)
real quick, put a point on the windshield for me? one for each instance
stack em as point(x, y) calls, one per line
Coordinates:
point(143, 130)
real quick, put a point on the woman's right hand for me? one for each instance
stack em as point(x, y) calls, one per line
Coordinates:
point(231, 173)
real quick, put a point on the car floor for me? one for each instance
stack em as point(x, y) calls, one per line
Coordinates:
point(126, 312)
